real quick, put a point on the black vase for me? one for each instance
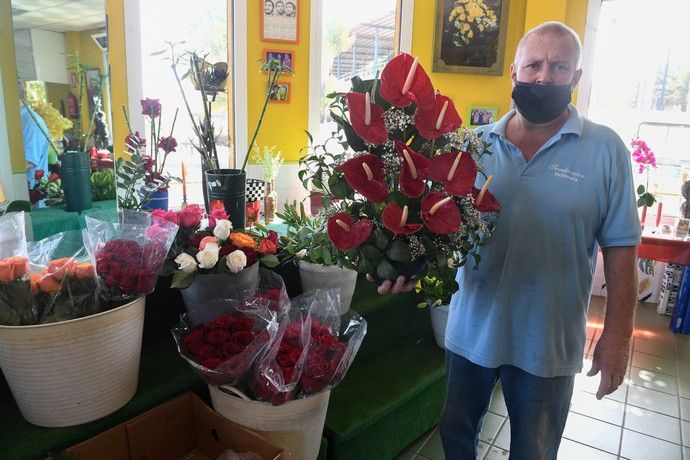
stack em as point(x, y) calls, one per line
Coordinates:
point(228, 185)
point(75, 173)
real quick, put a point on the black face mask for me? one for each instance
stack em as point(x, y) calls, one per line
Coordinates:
point(541, 103)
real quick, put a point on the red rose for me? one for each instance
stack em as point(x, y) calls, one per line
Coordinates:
point(266, 390)
point(268, 246)
point(229, 349)
point(151, 107)
point(244, 323)
point(226, 249)
point(190, 216)
point(223, 322)
point(217, 337)
point(236, 367)
point(288, 355)
point(242, 339)
point(205, 351)
point(54, 177)
point(287, 373)
point(272, 294)
point(38, 174)
point(211, 363)
point(194, 340)
point(127, 280)
point(146, 281)
point(311, 385)
point(293, 334)
point(171, 216)
point(35, 196)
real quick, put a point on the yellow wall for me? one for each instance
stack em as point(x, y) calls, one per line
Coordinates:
point(284, 124)
point(466, 90)
point(8, 68)
point(115, 13)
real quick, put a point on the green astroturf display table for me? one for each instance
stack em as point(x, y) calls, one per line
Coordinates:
point(54, 219)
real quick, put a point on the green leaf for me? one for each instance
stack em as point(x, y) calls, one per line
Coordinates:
point(399, 251)
point(640, 189)
point(381, 239)
point(386, 271)
point(372, 253)
point(182, 280)
point(270, 260)
point(421, 305)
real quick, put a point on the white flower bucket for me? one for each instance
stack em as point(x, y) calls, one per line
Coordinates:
point(296, 426)
point(316, 276)
point(439, 319)
point(73, 372)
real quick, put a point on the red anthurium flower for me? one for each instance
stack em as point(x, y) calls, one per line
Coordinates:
point(395, 220)
point(457, 171)
point(414, 170)
point(440, 214)
point(151, 107)
point(347, 234)
point(438, 118)
point(403, 81)
point(366, 118)
point(366, 175)
point(484, 201)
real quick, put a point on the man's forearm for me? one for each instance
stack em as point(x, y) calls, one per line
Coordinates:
point(621, 286)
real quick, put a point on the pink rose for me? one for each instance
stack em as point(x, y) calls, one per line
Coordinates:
point(190, 217)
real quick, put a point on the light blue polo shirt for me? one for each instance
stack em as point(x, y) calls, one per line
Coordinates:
point(526, 304)
point(35, 143)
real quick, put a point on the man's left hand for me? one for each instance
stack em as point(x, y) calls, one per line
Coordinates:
point(611, 358)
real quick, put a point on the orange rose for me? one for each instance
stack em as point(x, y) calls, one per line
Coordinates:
point(242, 240)
point(83, 270)
point(49, 284)
point(207, 240)
point(21, 266)
point(35, 283)
point(61, 267)
point(6, 271)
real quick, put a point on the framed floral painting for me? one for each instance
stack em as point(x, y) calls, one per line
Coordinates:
point(470, 36)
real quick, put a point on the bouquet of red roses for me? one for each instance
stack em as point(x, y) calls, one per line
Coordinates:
point(128, 249)
point(407, 186)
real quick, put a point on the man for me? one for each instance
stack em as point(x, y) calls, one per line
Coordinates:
point(268, 7)
point(280, 8)
point(290, 9)
point(565, 188)
point(34, 135)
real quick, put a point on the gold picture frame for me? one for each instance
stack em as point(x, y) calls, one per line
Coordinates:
point(470, 36)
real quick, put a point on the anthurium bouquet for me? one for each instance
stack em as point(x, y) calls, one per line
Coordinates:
point(218, 248)
point(406, 182)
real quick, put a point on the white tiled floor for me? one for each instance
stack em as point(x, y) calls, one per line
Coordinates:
point(647, 418)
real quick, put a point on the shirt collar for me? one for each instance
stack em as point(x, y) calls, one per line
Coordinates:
point(573, 125)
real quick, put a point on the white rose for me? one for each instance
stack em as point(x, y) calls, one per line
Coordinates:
point(236, 261)
point(301, 254)
point(222, 229)
point(209, 256)
point(186, 263)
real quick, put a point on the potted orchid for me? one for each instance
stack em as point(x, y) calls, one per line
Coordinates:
point(406, 182)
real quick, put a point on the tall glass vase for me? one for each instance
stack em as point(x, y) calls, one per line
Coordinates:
point(270, 202)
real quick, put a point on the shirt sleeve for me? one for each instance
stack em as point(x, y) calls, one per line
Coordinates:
point(621, 223)
point(35, 143)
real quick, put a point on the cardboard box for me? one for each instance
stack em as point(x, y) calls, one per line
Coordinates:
point(183, 428)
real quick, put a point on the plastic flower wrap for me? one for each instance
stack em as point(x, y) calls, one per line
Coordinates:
point(128, 249)
point(63, 280)
point(16, 306)
point(218, 248)
point(404, 194)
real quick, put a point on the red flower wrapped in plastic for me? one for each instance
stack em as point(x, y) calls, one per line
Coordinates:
point(365, 174)
point(438, 118)
point(404, 81)
point(346, 233)
point(440, 214)
point(366, 118)
point(414, 170)
point(457, 171)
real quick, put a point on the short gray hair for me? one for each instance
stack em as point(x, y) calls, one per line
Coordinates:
point(556, 28)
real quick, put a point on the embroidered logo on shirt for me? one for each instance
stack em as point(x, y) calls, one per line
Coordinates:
point(565, 173)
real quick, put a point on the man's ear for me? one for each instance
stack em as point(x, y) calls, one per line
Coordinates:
point(576, 77)
point(513, 73)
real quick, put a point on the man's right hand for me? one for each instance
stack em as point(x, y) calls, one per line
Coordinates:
point(388, 287)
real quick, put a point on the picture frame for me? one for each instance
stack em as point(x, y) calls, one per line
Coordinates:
point(480, 115)
point(280, 20)
point(475, 47)
point(280, 93)
point(286, 57)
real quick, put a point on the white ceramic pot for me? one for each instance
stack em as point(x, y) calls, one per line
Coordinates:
point(316, 276)
point(73, 372)
point(439, 319)
point(295, 426)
